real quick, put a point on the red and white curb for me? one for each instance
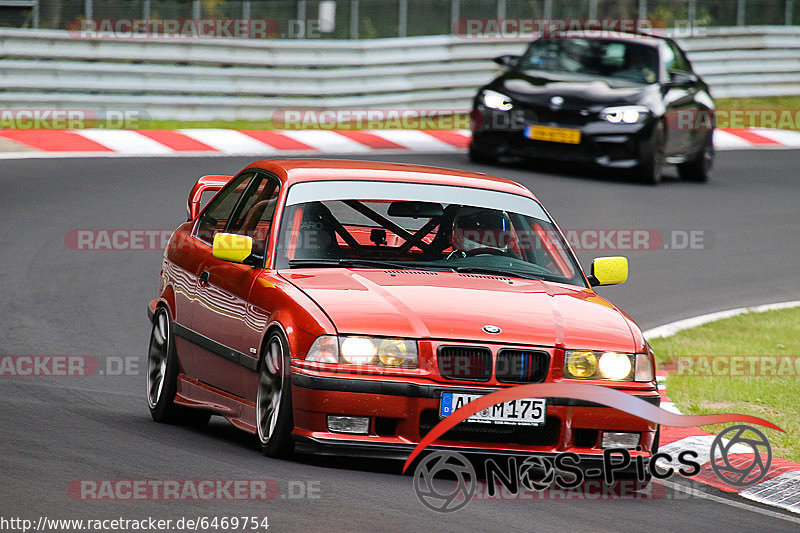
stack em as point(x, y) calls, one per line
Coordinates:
point(194, 142)
point(781, 487)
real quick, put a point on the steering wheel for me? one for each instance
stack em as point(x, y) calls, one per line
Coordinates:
point(484, 251)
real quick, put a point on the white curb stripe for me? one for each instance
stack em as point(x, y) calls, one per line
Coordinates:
point(728, 141)
point(674, 327)
point(229, 141)
point(678, 487)
point(415, 140)
point(125, 141)
point(328, 141)
point(781, 491)
point(671, 407)
point(701, 445)
point(783, 137)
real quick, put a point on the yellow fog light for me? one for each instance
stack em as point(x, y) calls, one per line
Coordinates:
point(616, 366)
point(392, 352)
point(398, 352)
point(581, 364)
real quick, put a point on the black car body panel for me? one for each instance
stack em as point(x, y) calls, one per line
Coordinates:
point(575, 101)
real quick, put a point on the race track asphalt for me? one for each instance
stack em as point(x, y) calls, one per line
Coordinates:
point(54, 430)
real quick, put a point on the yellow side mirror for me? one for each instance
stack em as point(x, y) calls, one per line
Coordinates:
point(609, 271)
point(233, 248)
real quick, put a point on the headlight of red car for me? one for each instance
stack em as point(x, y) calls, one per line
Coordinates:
point(373, 351)
point(613, 366)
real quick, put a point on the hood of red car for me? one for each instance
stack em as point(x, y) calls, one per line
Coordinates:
point(451, 306)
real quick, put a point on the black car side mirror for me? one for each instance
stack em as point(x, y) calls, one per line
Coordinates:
point(507, 60)
point(681, 79)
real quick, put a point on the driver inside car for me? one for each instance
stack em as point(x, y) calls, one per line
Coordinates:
point(483, 231)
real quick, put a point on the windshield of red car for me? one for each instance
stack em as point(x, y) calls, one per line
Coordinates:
point(429, 227)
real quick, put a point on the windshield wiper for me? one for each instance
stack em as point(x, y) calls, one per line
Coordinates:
point(495, 272)
point(360, 263)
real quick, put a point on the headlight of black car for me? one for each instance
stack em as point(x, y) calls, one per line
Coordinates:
point(626, 114)
point(495, 100)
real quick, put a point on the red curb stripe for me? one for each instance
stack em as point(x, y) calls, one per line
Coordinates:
point(750, 136)
point(371, 140)
point(450, 137)
point(277, 140)
point(176, 141)
point(54, 140)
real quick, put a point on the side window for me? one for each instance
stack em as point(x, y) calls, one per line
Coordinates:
point(254, 213)
point(669, 58)
point(216, 215)
point(676, 60)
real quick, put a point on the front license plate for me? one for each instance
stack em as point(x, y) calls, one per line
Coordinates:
point(525, 412)
point(554, 135)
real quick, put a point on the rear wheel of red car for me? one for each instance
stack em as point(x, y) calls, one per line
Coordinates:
point(274, 399)
point(162, 377)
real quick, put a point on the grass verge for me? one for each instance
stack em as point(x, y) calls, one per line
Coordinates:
point(786, 112)
point(748, 364)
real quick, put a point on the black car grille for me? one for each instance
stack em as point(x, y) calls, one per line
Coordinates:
point(472, 363)
point(563, 117)
point(544, 435)
point(521, 366)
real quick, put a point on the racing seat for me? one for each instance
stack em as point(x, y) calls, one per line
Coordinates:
point(318, 238)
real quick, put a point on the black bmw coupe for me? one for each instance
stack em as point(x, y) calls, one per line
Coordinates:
point(628, 103)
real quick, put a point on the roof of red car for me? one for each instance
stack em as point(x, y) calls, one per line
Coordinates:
point(298, 170)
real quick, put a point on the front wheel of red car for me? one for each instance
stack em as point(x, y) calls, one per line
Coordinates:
point(274, 399)
point(162, 377)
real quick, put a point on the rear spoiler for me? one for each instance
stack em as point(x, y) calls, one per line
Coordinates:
point(212, 182)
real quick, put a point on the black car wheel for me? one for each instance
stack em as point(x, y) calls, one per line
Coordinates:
point(274, 421)
point(699, 168)
point(651, 169)
point(162, 377)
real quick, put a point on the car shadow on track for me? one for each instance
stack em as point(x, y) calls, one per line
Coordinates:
point(577, 171)
point(225, 433)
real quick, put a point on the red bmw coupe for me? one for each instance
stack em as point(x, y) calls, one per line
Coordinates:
point(347, 307)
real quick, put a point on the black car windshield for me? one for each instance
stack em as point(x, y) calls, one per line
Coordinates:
point(391, 225)
point(624, 60)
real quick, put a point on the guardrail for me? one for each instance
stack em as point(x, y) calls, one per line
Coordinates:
point(249, 79)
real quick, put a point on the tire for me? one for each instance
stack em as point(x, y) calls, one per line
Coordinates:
point(274, 420)
point(699, 168)
point(162, 377)
point(651, 170)
point(476, 156)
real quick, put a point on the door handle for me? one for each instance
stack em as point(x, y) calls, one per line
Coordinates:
point(204, 275)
